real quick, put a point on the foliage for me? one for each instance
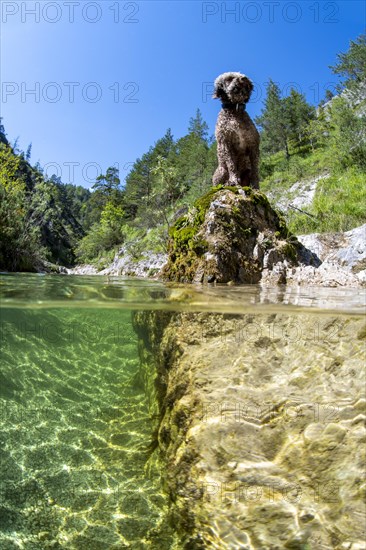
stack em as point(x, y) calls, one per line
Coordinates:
point(351, 65)
point(284, 120)
point(2, 134)
point(39, 218)
point(105, 234)
point(347, 134)
point(299, 114)
point(272, 121)
point(20, 242)
point(333, 142)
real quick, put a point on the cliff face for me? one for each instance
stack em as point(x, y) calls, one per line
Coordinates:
point(260, 427)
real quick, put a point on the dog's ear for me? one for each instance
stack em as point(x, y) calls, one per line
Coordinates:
point(219, 92)
point(249, 85)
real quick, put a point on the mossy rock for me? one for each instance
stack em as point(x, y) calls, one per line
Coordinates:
point(225, 237)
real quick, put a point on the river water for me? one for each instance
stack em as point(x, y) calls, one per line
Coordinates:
point(75, 428)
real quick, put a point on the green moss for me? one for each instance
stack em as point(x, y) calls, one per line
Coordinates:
point(236, 212)
point(184, 231)
point(202, 204)
point(181, 266)
point(185, 246)
point(185, 228)
point(232, 188)
point(183, 236)
point(181, 222)
point(257, 197)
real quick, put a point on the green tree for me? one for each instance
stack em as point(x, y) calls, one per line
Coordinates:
point(164, 147)
point(192, 163)
point(108, 184)
point(198, 127)
point(351, 65)
point(106, 188)
point(2, 134)
point(141, 180)
point(284, 120)
point(274, 122)
point(20, 240)
point(112, 216)
point(168, 188)
point(347, 134)
point(103, 236)
point(318, 128)
point(298, 113)
point(139, 184)
point(52, 213)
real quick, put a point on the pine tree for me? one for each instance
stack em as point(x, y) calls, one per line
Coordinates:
point(192, 157)
point(284, 120)
point(139, 184)
point(351, 65)
point(2, 134)
point(109, 183)
point(298, 113)
point(274, 122)
point(164, 147)
point(198, 127)
point(28, 153)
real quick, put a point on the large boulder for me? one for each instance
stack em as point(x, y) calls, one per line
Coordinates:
point(233, 234)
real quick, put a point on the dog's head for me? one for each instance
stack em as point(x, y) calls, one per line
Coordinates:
point(233, 88)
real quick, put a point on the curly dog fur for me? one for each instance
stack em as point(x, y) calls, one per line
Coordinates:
point(237, 137)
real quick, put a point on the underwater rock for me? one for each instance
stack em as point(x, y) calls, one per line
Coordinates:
point(233, 235)
point(261, 427)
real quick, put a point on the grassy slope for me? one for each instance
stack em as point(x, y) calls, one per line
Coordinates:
point(339, 202)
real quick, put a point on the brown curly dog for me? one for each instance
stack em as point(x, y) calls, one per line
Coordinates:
point(237, 137)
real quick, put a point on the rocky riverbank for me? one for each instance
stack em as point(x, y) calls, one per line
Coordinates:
point(148, 266)
point(234, 236)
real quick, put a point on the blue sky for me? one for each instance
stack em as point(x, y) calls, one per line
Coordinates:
point(109, 77)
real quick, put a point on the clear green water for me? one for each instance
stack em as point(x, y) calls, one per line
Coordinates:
point(74, 428)
point(74, 421)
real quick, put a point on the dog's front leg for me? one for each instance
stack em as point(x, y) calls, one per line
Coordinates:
point(254, 168)
point(225, 158)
